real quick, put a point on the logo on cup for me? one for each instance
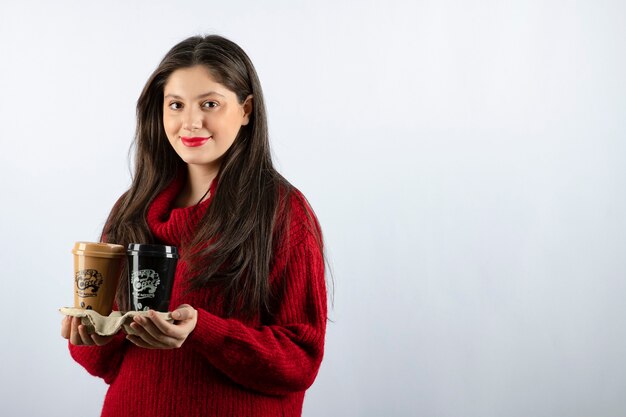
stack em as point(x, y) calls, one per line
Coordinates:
point(88, 281)
point(145, 283)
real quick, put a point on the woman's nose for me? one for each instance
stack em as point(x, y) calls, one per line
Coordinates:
point(192, 121)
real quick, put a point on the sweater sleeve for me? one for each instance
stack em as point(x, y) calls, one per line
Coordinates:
point(101, 361)
point(284, 356)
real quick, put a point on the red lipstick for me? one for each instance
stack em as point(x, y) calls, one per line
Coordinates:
point(193, 142)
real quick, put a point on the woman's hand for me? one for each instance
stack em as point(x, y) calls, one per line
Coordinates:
point(76, 333)
point(155, 333)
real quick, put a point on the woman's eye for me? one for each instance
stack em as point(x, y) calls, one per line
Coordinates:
point(209, 104)
point(175, 106)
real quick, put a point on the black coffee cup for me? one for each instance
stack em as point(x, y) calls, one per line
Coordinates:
point(151, 271)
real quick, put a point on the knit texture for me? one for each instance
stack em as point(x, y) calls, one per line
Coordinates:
point(227, 366)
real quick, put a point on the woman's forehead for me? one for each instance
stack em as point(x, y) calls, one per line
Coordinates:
point(193, 82)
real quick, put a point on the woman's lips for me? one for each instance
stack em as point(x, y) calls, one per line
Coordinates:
point(193, 142)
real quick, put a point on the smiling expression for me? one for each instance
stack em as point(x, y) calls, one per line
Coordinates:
point(201, 117)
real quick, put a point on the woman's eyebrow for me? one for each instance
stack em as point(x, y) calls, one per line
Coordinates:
point(197, 97)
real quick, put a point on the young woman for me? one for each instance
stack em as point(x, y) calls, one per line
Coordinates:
point(249, 296)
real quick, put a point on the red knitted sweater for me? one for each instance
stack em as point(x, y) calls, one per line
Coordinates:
point(227, 366)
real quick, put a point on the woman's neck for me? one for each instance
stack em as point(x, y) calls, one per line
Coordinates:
point(196, 185)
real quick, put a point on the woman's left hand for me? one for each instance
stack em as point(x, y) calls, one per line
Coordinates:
point(155, 333)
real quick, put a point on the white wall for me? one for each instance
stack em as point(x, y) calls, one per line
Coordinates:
point(465, 158)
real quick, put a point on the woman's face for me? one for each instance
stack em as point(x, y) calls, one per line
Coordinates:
point(201, 117)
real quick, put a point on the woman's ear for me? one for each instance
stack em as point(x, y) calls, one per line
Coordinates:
point(247, 110)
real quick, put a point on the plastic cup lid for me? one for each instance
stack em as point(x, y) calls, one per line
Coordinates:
point(144, 249)
point(100, 249)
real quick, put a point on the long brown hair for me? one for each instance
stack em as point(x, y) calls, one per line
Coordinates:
point(247, 218)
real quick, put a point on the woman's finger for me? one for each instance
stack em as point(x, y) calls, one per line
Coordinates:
point(66, 327)
point(84, 335)
point(138, 341)
point(143, 334)
point(74, 336)
point(183, 312)
point(166, 327)
point(154, 331)
point(100, 340)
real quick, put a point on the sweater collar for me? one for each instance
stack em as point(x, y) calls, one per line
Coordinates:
point(170, 225)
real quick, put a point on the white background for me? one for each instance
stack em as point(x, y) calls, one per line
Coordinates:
point(465, 159)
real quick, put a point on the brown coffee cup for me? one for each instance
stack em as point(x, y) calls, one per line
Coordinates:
point(97, 269)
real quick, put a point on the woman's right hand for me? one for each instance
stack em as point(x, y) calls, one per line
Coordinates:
point(76, 333)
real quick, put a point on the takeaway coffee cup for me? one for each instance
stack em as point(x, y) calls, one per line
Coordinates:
point(151, 271)
point(97, 269)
